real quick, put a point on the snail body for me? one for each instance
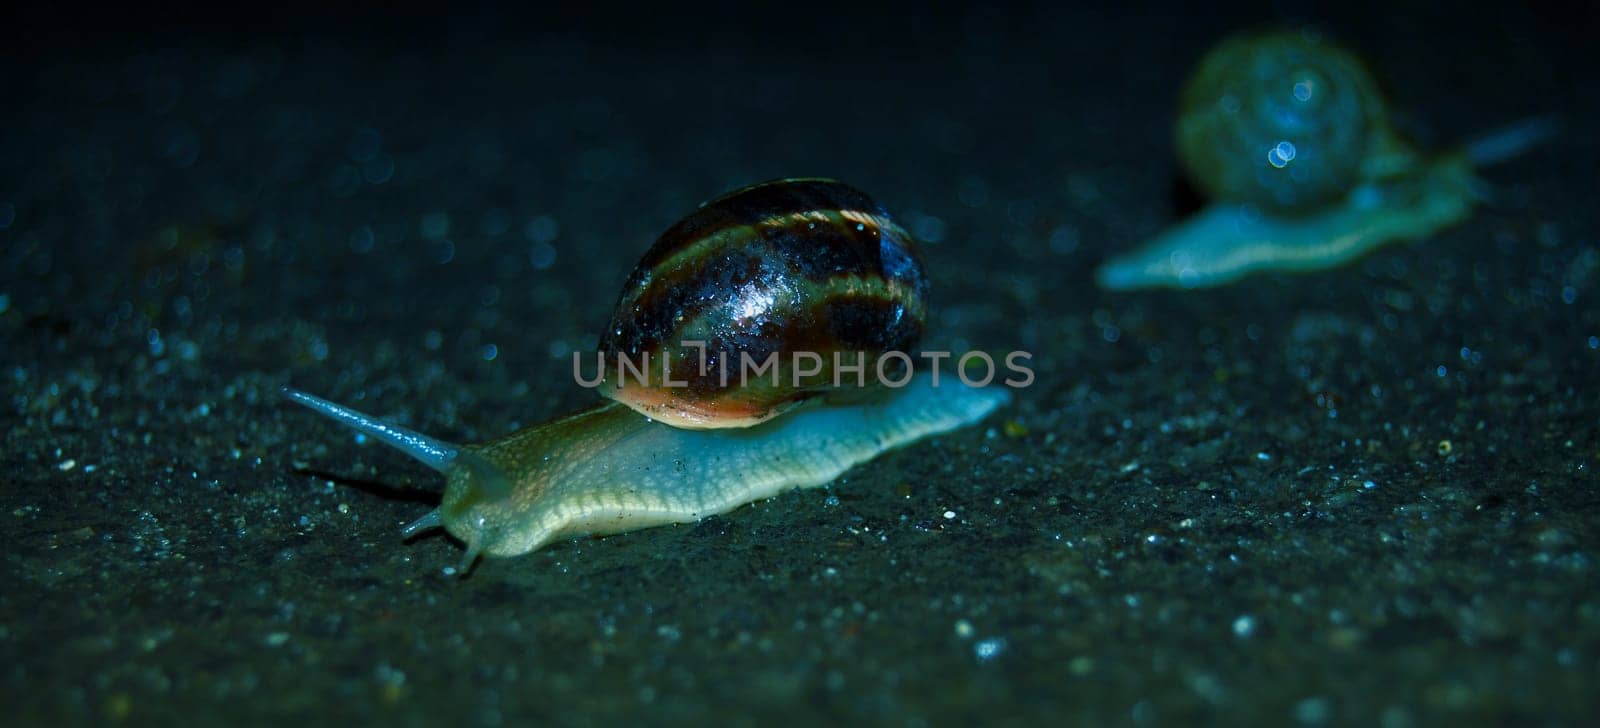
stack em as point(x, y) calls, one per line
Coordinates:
point(813, 262)
point(1290, 137)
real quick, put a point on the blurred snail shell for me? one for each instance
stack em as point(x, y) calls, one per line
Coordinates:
point(1284, 119)
point(798, 265)
point(1290, 137)
point(780, 267)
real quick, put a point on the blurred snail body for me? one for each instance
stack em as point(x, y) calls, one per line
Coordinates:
point(776, 268)
point(1290, 138)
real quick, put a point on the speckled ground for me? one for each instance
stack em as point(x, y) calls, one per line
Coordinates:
point(1365, 496)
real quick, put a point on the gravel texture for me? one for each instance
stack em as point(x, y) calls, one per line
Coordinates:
point(1366, 496)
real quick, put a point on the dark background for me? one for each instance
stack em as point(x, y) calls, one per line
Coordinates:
point(419, 210)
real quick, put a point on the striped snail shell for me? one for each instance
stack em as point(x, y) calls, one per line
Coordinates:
point(1286, 120)
point(774, 269)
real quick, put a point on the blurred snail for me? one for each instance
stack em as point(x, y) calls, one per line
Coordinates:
point(799, 265)
point(1289, 136)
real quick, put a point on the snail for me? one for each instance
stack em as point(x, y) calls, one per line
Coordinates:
point(759, 274)
point(1289, 136)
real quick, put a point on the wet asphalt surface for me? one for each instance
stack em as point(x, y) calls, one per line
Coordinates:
point(1360, 496)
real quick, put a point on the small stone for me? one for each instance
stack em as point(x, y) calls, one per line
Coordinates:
point(1244, 626)
point(989, 649)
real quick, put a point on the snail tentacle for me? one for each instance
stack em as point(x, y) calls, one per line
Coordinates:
point(422, 525)
point(445, 457)
point(1511, 141)
point(474, 550)
point(436, 454)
